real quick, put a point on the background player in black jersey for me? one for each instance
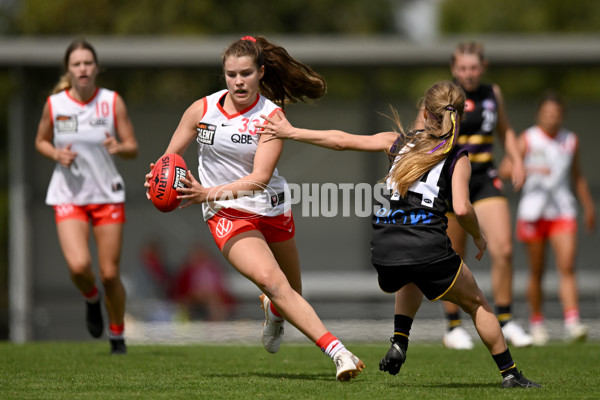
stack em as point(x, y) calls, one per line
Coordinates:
point(484, 116)
point(410, 248)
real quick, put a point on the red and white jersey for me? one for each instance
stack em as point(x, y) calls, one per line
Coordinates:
point(226, 148)
point(548, 160)
point(92, 178)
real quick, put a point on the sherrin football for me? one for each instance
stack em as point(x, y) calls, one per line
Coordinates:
point(165, 180)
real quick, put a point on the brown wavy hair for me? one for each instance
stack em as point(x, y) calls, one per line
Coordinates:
point(286, 80)
point(444, 104)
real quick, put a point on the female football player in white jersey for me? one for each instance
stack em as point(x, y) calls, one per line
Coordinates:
point(82, 127)
point(410, 248)
point(243, 197)
point(547, 212)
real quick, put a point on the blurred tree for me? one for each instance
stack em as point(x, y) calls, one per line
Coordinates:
point(475, 17)
point(519, 16)
point(182, 17)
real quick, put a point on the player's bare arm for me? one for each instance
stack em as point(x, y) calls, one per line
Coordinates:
point(330, 139)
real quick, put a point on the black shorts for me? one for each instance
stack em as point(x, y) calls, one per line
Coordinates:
point(483, 186)
point(433, 279)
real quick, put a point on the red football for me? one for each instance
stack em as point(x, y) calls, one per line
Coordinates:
point(165, 181)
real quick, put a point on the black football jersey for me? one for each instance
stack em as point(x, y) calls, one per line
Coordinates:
point(412, 229)
point(476, 133)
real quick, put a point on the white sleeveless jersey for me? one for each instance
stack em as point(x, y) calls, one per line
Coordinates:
point(226, 148)
point(92, 178)
point(547, 192)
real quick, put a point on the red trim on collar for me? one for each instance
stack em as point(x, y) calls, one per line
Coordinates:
point(82, 102)
point(245, 110)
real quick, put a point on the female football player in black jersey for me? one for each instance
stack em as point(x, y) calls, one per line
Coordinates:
point(411, 251)
point(484, 116)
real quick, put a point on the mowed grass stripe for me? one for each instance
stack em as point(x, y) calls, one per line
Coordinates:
point(86, 370)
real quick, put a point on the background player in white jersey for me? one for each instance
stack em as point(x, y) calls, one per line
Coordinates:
point(78, 129)
point(410, 248)
point(242, 195)
point(485, 117)
point(547, 212)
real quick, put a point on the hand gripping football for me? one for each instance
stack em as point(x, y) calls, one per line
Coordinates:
point(165, 180)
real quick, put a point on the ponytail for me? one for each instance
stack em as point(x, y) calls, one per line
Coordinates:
point(286, 80)
point(64, 83)
point(444, 104)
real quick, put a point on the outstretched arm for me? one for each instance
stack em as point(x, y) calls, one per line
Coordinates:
point(330, 139)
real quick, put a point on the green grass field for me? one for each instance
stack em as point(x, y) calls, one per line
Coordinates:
point(86, 370)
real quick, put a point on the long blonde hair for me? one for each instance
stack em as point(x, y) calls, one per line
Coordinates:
point(443, 104)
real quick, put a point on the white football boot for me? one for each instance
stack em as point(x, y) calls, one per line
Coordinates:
point(272, 331)
point(458, 339)
point(514, 334)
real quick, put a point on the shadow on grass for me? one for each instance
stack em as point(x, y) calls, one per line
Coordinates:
point(464, 385)
point(280, 376)
point(447, 385)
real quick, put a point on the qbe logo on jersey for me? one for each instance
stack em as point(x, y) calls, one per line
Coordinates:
point(206, 133)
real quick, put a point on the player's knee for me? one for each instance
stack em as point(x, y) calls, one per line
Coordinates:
point(269, 282)
point(501, 252)
point(80, 267)
point(110, 278)
point(472, 306)
point(567, 272)
point(472, 301)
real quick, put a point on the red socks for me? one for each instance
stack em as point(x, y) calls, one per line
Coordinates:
point(92, 296)
point(329, 344)
point(274, 310)
point(116, 331)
